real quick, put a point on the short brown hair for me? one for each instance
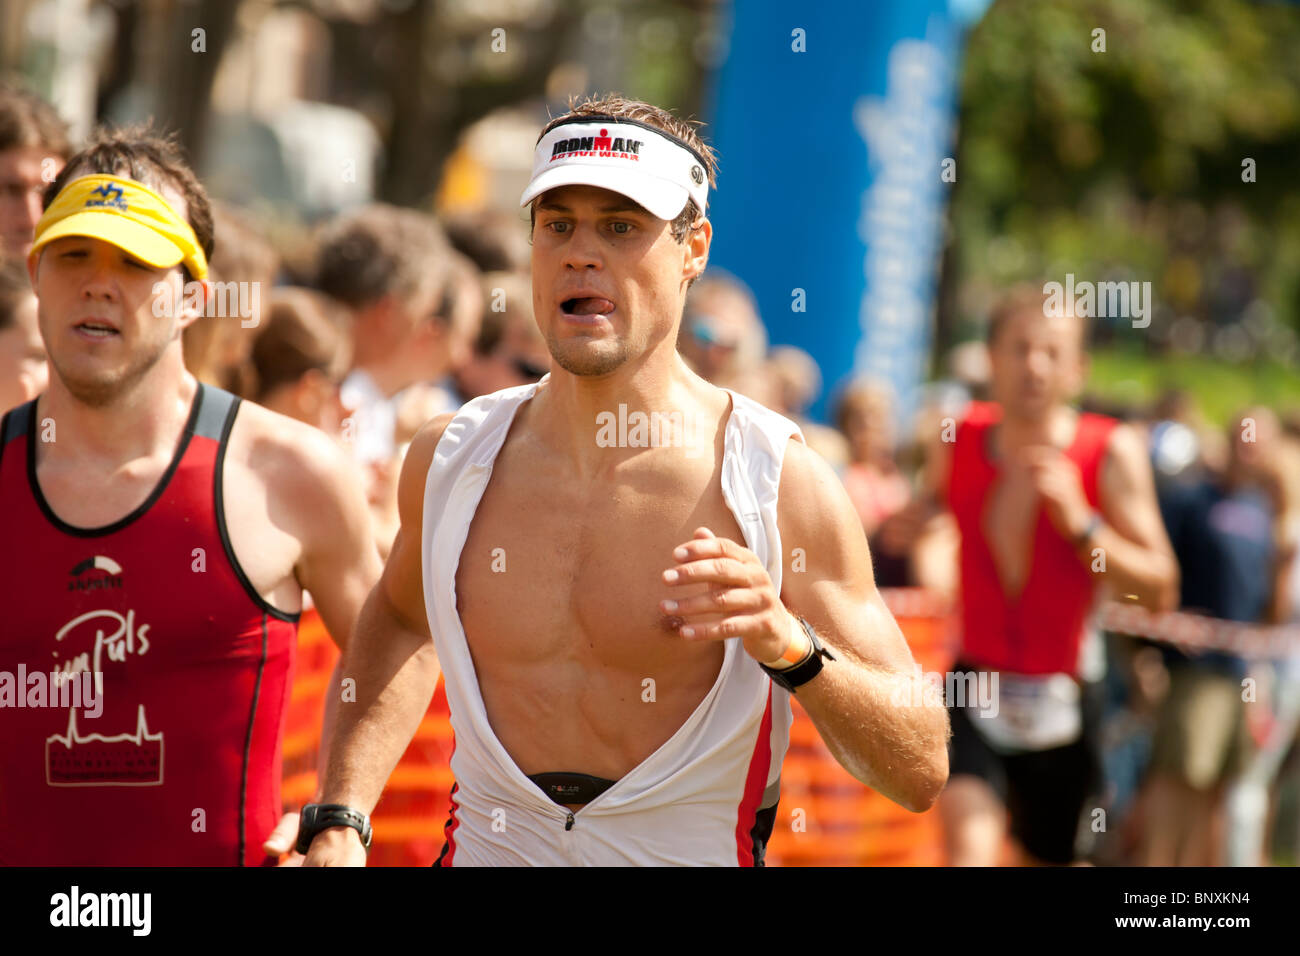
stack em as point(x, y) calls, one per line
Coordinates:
point(27, 121)
point(862, 397)
point(147, 156)
point(493, 240)
point(244, 255)
point(304, 333)
point(1026, 297)
point(381, 250)
point(516, 294)
point(620, 107)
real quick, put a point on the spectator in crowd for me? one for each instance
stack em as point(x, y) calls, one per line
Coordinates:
point(722, 336)
point(794, 382)
point(876, 486)
point(23, 370)
point(1222, 530)
point(510, 350)
point(968, 367)
point(33, 149)
point(1248, 798)
point(493, 240)
point(1176, 439)
point(299, 357)
point(217, 346)
point(389, 267)
point(1135, 683)
point(463, 303)
point(924, 529)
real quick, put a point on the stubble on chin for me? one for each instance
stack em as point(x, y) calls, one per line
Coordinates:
point(587, 359)
point(102, 388)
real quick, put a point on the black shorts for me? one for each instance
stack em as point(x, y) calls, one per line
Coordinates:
point(1045, 791)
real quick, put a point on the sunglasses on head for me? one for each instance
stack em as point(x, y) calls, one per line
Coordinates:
point(705, 335)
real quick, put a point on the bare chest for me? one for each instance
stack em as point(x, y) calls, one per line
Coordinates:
point(1010, 520)
point(553, 570)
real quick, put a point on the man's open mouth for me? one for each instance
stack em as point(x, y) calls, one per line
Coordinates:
point(96, 329)
point(587, 305)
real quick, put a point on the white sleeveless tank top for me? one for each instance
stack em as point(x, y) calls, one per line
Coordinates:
point(695, 800)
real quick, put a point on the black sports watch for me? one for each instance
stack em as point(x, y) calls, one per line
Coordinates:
point(321, 816)
point(806, 669)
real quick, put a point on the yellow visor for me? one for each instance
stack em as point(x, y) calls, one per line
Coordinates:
point(127, 214)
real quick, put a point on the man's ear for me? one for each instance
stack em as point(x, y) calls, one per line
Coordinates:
point(433, 329)
point(697, 249)
point(33, 266)
point(195, 295)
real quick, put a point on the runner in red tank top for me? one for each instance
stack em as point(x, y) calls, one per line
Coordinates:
point(159, 534)
point(1051, 504)
point(1038, 630)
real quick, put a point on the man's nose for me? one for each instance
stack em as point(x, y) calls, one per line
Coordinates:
point(1038, 363)
point(99, 279)
point(583, 251)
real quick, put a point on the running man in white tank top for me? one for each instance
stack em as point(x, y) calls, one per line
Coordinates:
point(619, 568)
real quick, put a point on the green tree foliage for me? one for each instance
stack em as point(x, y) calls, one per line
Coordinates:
point(1128, 164)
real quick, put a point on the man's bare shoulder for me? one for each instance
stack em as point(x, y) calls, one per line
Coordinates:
point(813, 504)
point(284, 478)
point(286, 451)
point(804, 472)
point(402, 583)
point(1126, 445)
point(415, 468)
point(312, 485)
point(833, 583)
point(1126, 467)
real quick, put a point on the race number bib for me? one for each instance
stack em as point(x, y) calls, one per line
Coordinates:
point(1030, 713)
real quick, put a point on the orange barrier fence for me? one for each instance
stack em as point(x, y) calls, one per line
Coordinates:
point(409, 817)
point(316, 657)
point(825, 816)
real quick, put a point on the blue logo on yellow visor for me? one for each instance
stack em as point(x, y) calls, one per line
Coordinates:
point(112, 197)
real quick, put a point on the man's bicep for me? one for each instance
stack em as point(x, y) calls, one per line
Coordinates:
point(828, 577)
point(1128, 492)
point(402, 584)
point(341, 563)
point(339, 590)
point(401, 588)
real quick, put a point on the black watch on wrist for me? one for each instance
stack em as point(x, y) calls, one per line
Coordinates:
point(805, 670)
point(321, 816)
point(1089, 530)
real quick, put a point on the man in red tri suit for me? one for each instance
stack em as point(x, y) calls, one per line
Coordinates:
point(1053, 505)
point(158, 535)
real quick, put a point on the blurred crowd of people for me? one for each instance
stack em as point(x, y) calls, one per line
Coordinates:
point(390, 316)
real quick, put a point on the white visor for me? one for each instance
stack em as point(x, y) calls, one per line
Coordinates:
point(627, 157)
